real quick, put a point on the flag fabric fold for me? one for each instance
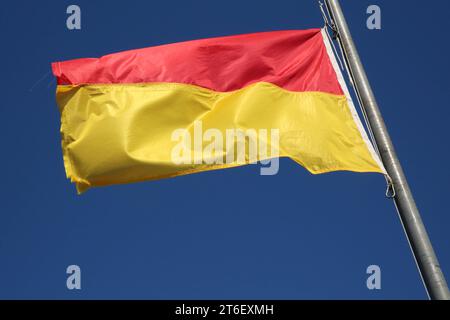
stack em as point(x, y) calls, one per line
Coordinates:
point(170, 110)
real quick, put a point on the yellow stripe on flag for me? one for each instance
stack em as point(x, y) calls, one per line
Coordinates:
point(120, 133)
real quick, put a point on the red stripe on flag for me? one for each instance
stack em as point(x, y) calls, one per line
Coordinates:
point(294, 60)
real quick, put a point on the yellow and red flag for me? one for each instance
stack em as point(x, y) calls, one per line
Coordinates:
point(120, 113)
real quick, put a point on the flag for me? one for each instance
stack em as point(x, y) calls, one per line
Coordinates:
point(207, 104)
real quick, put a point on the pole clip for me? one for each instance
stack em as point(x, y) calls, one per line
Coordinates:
point(390, 189)
point(328, 20)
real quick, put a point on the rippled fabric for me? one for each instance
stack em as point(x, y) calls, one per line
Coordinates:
point(119, 112)
point(122, 133)
point(295, 60)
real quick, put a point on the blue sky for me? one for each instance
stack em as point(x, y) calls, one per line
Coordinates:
point(227, 234)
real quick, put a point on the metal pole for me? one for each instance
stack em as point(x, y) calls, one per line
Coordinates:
point(423, 252)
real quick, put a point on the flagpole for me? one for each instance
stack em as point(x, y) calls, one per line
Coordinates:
point(416, 233)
